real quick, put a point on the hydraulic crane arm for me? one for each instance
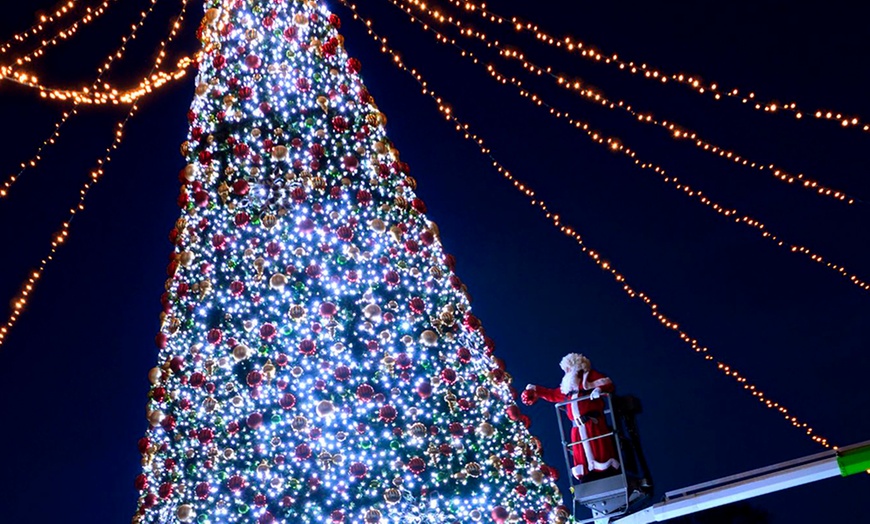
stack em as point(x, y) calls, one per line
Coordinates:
point(842, 462)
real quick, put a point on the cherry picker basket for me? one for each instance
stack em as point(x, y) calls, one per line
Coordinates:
point(624, 490)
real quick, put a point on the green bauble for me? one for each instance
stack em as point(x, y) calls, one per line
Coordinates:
point(243, 509)
point(395, 444)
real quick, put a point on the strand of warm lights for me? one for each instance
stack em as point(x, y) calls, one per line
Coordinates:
point(617, 145)
point(91, 14)
point(106, 93)
point(23, 297)
point(44, 21)
point(101, 71)
point(571, 232)
point(717, 92)
point(674, 130)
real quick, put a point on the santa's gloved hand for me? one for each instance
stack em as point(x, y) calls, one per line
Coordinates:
point(595, 394)
point(529, 396)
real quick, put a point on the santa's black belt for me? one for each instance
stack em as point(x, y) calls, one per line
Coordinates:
point(592, 415)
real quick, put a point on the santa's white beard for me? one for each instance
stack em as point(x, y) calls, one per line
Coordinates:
point(570, 382)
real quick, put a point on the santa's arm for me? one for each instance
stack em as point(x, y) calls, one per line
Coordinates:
point(599, 383)
point(550, 395)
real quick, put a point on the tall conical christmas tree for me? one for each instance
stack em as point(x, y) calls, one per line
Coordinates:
point(319, 362)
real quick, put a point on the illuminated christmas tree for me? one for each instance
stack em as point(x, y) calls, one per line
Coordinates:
point(319, 362)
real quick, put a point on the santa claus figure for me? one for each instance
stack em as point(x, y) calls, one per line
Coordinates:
point(587, 416)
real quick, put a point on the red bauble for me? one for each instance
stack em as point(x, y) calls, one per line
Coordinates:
point(363, 197)
point(417, 305)
point(241, 187)
point(424, 389)
point(255, 420)
point(176, 364)
point(141, 482)
point(268, 331)
point(327, 309)
point(513, 412)
point(365, 392)
point(344, 232)
point(202, 489)
point(499, 514)
point(143, 444)
point(303, 451)
point(287, 401)
point(358, 470)
point(417, 465)
point(253, 61)
point(254, 378)
point(236, 483)
point(196, 380)
point(403, 361)
point(205, 435)
point(387, 413)
point(391, 278)
point(418, 205)
point(341, 373)
point(353, 66)
point(307, 347)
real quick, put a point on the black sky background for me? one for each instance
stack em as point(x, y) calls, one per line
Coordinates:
point(73, 373)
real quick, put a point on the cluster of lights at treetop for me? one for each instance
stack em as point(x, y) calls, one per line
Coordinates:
point(319, 362)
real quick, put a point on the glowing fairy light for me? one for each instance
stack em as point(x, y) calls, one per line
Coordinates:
point(584, 50)
point(116, 55)
point(464, 130)
point(22, 298)
point(41, 25)
point(105, 93)
point(91, 14)
point(617, 145)
point(674, 130)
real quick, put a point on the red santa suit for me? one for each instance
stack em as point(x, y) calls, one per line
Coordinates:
point(588, 421)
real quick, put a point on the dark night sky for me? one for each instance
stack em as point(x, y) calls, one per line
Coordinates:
point(73, 373)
